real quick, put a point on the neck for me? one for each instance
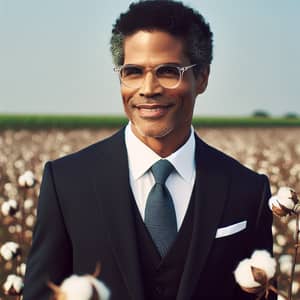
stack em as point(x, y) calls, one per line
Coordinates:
point(163, 146)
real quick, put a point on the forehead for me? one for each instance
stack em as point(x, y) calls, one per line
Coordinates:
point(153, 47)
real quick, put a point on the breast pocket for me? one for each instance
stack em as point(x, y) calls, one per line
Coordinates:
point(231, 244)
point(231, 229)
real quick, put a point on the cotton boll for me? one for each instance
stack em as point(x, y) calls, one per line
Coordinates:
point(292, 225)
point(85, 287)
point(22, 181)
point(284, 202)
point(287, 192)
point(13, 285)
point(30, 221)
point(297, 268)
point(76, 288)
point(273, 201)
point(295, 287)
point(10, 250)
point(29, 182)
point(281, 240)
point(27, 179)
point(243, 274)
point(274, 230)
point(285, 257)
point(284, 192)
point(28, 204)
point(9, 207)
point(21, 269)
point(287, 196)
point(287, 202)
point(262, 259)
point(286, 267)
point(285, 263)
point(277, 248)
point(277, 207)
point(12, 229)
point(102, 290)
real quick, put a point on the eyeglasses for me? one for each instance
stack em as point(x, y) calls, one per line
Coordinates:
point(168, 76)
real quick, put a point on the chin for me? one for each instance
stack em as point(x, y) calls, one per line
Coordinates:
point(152, 132)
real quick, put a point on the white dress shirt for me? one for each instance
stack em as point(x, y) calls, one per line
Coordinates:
point(180, 182)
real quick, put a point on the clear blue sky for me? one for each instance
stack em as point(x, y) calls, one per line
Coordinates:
point(54, 56)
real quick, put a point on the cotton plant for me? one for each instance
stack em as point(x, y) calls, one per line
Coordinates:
point(27, 179)
point(285, 202)
point(14, 211)
point(255, 274)
point(10, 250)
point(13, 286)
point(9, 207)
point(86, 287)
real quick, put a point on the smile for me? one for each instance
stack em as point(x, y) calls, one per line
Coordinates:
point(152, 110)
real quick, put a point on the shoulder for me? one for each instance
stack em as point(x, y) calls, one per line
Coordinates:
point(97, 152)
point(222, 162)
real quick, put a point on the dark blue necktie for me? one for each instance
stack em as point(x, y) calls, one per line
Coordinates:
point(160, 217)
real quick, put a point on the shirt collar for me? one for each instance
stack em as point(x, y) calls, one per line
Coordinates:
point(141, 157)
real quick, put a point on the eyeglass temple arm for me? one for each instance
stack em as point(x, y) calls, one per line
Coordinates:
point(183, 69)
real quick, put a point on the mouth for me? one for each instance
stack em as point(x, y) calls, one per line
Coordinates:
point(153, 111)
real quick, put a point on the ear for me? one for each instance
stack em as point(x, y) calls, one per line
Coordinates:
point(202, 80)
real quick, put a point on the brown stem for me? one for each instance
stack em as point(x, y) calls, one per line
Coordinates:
point(23, 218)
point(295, 257)
point(276, 291)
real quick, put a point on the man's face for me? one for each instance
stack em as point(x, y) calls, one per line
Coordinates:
point(154, 111)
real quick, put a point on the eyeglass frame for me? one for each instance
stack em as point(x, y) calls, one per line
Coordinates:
point(181, 71)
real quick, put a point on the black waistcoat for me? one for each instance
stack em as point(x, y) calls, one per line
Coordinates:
point(161, 276)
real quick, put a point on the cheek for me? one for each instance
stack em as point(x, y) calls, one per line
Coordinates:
point(185, 98)
point(186, 90)
point(126, 96)
point(186, 103)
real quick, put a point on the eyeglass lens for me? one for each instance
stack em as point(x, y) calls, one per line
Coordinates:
point(167, 76)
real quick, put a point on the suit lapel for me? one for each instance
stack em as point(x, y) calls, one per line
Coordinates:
point(210, 194)
point(114, 197)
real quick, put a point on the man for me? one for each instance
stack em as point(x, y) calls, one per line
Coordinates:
point(179, 237)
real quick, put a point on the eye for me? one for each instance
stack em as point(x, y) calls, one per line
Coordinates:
point(131, 71)
point(167, 71)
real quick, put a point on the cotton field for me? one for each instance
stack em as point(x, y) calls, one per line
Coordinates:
point(23, 153)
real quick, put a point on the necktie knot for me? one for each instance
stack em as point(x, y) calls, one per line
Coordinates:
point(161, 170)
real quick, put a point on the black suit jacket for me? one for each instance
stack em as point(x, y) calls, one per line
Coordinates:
point(85, 216)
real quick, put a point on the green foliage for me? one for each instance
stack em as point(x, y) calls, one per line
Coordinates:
point(60, 121)
point(291, 115)
point(245, 122)
point(261, 114)
point(76, 121)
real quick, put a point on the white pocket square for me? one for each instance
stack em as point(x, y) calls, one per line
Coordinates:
point(231, 229)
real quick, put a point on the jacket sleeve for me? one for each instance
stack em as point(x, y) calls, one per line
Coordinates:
point(263, 226)
point(50, 257)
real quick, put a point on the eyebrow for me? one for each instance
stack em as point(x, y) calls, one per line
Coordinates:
point(177, 64)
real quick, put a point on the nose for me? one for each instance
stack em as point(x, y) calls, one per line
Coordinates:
point(150, 86)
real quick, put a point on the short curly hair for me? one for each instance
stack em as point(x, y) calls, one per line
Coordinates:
point(169, 16)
